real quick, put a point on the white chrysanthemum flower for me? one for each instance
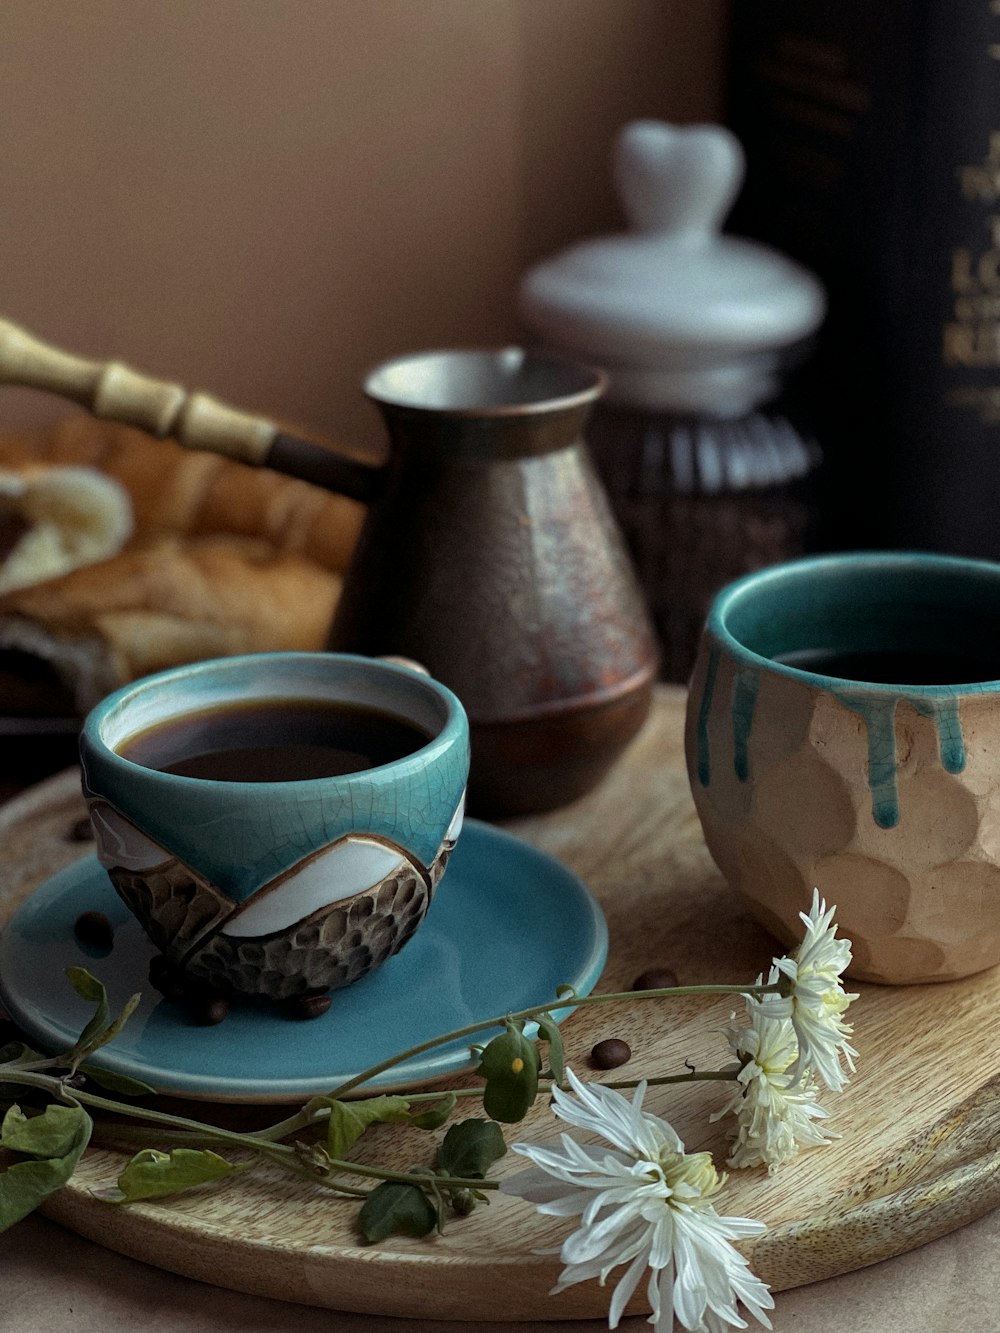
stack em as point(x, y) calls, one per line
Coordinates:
point(814, 998)
point(645, 1203)
point(775, 1114)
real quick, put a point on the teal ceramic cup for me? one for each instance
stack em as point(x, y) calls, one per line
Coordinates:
point(843, 733)
point(277, 887)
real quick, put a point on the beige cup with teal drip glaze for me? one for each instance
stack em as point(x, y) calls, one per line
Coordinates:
point(843, 733)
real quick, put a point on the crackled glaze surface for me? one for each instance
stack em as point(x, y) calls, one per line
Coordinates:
point(492, 556)
point(175, 906)
point(272, 946)
point(333, 947)
point(240, 836)
point(919, 1123)
point(314, 883)
point(500, 900)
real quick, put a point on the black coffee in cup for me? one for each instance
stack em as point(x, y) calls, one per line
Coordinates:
point(938, 667)
point(275, 740)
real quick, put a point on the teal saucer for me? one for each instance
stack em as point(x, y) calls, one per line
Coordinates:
point(508, 925)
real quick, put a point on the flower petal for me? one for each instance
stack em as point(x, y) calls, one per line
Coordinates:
point(645, 1204)
point(626, 1286)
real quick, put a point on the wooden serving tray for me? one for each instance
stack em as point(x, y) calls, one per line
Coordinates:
point(918, 1156)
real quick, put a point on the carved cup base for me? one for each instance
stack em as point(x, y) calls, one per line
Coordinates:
point(335, 946)
point(330, 949)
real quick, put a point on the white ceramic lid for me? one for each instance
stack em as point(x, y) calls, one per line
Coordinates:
point(682, 317)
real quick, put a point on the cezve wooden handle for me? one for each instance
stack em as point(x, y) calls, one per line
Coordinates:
point(116, 392)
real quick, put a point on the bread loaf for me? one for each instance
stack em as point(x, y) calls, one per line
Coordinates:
point(177, 491)
point(224, 559)
point(57, 518)
point(170, 601)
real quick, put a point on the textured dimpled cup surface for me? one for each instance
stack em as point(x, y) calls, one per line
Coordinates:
point(843, 732)
point(277, 888)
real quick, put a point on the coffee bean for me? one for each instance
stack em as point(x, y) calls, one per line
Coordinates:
point(167, 979)
point(610, 1053)
point(308, 1006)
point(95, 929)
point(159, 971)
point(81, 831)
point(9, 1031)
point(209, 1009)
point(657, 978)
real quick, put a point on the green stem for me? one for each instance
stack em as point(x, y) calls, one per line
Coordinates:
point(573, 1002)
point(300, 1120)
point(282, 1154)
point(695, 1076)
point(138, 1136)
point(304, 1118)
point(266, 1142)
point(440, 1096)
point(289, 1161)
point(37, 1066)
point(287, 1157)
point(56, 1088)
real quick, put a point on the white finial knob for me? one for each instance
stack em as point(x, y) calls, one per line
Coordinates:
point(686, 318)
point(677, 179)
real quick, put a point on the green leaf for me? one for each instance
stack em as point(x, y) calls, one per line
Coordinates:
point(349, 1120)
point(108, 1033)
point(152, 1174)
point(16, 1053)
point(510, 1066)
point(396, 1209)
point(435, 1115)
point(89, 988)
point(470, 1148)
point(50, 1134)
point(25, 1185)
point(12, 1057)
point(549, 1031)
point(120, 1083)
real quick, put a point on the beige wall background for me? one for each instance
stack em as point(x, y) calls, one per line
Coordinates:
point(264, 198)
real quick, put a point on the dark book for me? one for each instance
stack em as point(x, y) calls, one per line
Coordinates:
point(872, 131)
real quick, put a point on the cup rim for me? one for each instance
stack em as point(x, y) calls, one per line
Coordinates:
point(729, 598)
point(92, 736)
